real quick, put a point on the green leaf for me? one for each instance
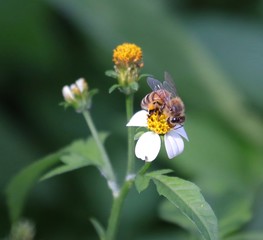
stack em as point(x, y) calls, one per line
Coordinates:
point(79, 154)
point(88, 148)
point(99, 229)
point(90, 96)
point(93, 92)
point(111, 73)
point(159, 172)
point(113, 87)
point(169, 213)
point(252, 235)
point(134, 86)
point(21, 184)
point(142, 182)
point(238, 213)
point(74, 162)
point(144, 75)
point(187, 198)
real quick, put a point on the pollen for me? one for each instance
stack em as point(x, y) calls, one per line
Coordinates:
point(127, 54)
point(157, 122)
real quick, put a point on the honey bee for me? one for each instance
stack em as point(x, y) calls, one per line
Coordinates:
point(164, 99)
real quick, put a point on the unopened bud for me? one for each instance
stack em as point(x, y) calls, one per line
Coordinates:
point(67, 94)
point(82, 85)
point(77, 95)
point(128, 61)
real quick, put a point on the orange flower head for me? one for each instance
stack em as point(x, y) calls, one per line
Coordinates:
point(127, 54)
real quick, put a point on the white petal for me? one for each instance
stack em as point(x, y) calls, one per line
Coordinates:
point(180, 130)
point(81, 84)
point(139, 119)
point(148, 146)
point(67, 94)
point(174, 144)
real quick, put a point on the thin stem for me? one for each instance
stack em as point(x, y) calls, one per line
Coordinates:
point(116, 210)
point(129, 180)
point(129, 110)
point(118, 203)
point(107, 170)
point(144, 168)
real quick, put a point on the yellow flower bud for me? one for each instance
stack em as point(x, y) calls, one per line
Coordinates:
point(127, 58)
point(127, 54)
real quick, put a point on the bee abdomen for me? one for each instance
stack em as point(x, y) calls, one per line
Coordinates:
point(151, 100)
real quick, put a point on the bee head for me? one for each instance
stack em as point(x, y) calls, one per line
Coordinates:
point(173, 121)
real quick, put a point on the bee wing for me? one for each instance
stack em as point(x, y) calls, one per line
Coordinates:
point(158, 87)
point(169, 85)
point(154, 84)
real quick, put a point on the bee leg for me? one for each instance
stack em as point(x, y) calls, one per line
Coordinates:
point(151, 111)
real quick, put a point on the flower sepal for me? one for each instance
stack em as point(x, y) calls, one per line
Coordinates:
point(131, 88)
point(111, 73)
point(113, 87)
point(91, 94)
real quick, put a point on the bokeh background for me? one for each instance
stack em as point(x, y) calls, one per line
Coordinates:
point(214, 51)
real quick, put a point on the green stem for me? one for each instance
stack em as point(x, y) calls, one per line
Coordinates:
point(144, 168)
point(116, 210)
point(107, 170)
point(129, 180)
point(118, 203)
point(129, 110)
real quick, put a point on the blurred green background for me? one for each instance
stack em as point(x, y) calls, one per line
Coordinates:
point(214, 51)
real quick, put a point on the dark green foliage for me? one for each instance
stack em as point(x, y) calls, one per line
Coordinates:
point(214, 53)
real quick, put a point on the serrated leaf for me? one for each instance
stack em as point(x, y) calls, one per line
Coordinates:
point(238, 213)
point(21, 184)
point(79, 154)
point(187, 198)
point(113, 87)
point(99, 229)
point(170, 213)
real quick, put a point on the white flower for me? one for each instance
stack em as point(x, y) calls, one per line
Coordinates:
point(82, 84)
point(76, 90)
point(77, 95)
point(67, 94)
point(149, 144)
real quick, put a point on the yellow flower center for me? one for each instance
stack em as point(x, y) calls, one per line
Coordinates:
point(157, 122)
point(127, 54)
point(75, 90)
